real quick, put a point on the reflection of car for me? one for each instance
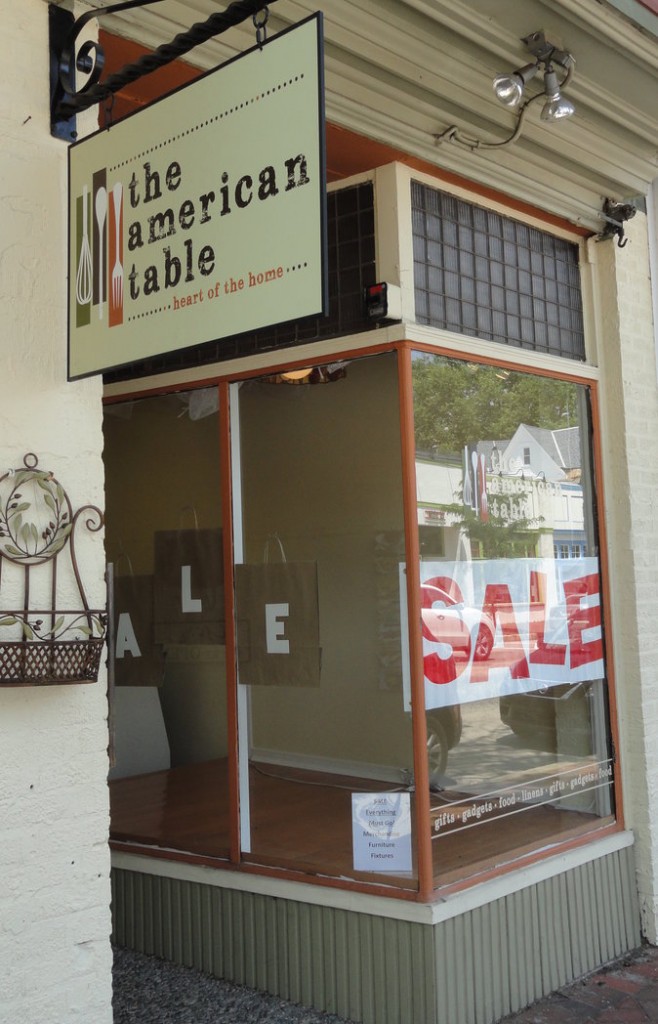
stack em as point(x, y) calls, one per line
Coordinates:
point(455, 623)
point(444, 730)
point(533, 717)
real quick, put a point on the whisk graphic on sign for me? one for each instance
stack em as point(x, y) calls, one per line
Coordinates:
point(83, 280)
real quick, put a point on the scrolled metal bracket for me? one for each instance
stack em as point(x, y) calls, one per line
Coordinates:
point(67, 58)
point(616, 214)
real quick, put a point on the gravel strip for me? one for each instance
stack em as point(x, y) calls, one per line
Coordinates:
point(152, 991)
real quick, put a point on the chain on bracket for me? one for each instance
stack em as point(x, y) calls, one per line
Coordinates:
point(260, 24)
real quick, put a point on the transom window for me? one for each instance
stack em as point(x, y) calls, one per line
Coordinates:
point(480, 273)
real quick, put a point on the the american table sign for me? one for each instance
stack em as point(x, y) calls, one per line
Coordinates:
point(202, 216)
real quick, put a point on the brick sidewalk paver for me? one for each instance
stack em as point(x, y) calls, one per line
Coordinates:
point(626, 992)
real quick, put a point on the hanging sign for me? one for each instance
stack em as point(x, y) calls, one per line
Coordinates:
point(202, 216)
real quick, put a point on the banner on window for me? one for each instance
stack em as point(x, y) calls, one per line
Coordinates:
point(502, 626)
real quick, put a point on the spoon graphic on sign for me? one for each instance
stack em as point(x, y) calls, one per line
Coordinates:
point(101, 214)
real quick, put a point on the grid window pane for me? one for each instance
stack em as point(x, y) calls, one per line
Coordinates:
point(496, 268)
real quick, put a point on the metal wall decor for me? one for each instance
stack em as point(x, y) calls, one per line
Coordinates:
point(67, 58)
point(39, 642)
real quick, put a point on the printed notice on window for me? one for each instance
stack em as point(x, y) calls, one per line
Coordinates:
point(381, 831)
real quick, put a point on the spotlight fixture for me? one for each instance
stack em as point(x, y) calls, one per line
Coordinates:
point(556, 107)
point(510, 87)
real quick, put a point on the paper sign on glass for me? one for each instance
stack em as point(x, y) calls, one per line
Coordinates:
point(381, 831)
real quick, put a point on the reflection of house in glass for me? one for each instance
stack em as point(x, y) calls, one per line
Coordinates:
point(528, 485)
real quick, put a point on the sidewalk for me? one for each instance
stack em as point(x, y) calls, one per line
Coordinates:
point(626, 992)
point(152, 991)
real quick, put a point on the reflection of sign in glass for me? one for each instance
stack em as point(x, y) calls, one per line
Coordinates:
point(381, 831)
point(504, 626)
point(201, 216)
point(580, 781)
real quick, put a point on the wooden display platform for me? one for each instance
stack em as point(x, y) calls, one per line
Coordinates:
point(302, 821)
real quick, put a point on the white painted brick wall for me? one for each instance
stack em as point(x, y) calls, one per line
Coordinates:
point(55, 957)
point(629, 408)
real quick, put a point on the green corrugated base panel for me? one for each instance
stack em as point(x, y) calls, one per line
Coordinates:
point(470, 969)
point(505, 955)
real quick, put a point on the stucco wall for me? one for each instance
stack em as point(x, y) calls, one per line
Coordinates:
point(629, 412)
point(54, 861)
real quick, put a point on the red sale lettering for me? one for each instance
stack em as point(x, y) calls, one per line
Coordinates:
point(549, 654)
point(545, 653)
point(537, 605)
point(580, 619)
point(442, 626)
point(440, 588)
point(439, 670)
point(493, 627)
point(498, 603)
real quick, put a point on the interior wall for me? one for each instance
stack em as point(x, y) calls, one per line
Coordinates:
point(162, 470)
point(162, 473)
point(321, 469)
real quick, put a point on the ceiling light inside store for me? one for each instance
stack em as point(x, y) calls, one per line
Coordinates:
point(311, 375)
point(296, 376)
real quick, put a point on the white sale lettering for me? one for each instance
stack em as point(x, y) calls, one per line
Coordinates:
point(126, 638)
point(188, 603)
point(275, 640)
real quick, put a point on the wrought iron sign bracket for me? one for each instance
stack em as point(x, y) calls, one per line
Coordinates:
point(615, 215)
point(68, 59)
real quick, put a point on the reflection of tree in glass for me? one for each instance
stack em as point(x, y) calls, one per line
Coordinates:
point(458, 403)
point(499, 538)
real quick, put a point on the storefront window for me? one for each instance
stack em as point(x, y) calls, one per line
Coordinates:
point(513, 656)
point(168, 785)
point(326, 785)
point(514, 687)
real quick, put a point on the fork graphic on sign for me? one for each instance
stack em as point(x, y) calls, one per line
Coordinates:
point(115, 261)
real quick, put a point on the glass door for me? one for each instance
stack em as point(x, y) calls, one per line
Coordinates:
point(326, 750)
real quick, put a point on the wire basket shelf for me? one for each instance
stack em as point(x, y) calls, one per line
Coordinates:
point(38, 527)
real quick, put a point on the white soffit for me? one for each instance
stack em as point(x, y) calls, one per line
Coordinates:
point(402, 71)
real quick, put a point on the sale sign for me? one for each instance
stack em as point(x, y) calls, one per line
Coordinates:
point(503, 626)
